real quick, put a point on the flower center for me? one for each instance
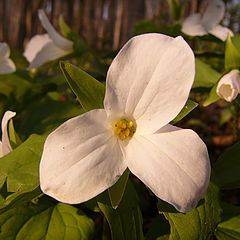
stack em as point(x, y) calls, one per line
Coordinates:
point(124, 129)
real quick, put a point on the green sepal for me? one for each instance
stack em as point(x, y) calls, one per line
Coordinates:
point(189, 106)
point(212, 97)
point(90, 92)
point(117, 190)
point(15, 141)
point(232, 55)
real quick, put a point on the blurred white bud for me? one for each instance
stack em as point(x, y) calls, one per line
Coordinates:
point(229, 86)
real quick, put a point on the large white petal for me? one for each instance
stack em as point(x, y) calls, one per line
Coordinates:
point(60, 41)
point(6, 147)
point(4, 50)
point(192, 26)
point(173, 163)
point(49, 52)
point(35, 45)
point(221, 32)
point(213, 14)
point(6, 66)
point(150, 79)
point(81, 159)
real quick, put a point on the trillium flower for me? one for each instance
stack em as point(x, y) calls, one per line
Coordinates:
point(5, 146)
point(46, 47)
point(197, 25)
point(6, 64)
point(147, 85)
point(229, 86)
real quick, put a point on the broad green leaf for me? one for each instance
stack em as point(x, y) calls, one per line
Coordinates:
point(227, 168)
point(19, 168)
point(200, 223)
point(229, 228)
point(45, 115)
point(212, 97)
point(126, 221)
point(232, 55)
point(189, 106)
point(117, 190)
point(13, 136)
point(47, 221)
point(205, 76)
point(159, 229)
point(89, 92)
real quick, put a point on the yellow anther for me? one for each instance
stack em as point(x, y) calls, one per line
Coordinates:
point(124, 129)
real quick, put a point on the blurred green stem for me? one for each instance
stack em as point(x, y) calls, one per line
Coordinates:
point(235, 122)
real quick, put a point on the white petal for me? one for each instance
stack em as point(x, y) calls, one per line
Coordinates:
point(150, 79)
point(6, 147)
point(6, 66)
point(229, 86)
point(35, 45)
point(221, 32)
point(81, 159)
point(192, 26)
point(214, 14)
point(4, 50)
point(60, 41)
point(49, 52)
point(173, 163)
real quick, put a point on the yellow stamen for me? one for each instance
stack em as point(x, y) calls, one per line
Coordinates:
point(124, 129)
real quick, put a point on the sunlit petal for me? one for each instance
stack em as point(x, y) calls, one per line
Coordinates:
point(81, 159)
point(35, 45)
point(4, 50)
point(60, 41)
point(221, 32)
point(49, 52)
point(213, 14)
point(150, 79)
point(173, 163)
point(6, 146)
point(192, 26)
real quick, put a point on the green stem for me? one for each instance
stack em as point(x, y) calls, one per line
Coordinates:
point(235, 122)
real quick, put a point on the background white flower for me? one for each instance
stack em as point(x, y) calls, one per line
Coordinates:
point(6, 64)
point(229, 86)
point(147, 85)
point(46, 47)
point(5, 146)
point(197, 25)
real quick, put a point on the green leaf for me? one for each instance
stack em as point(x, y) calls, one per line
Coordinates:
point(117, 190)
point(200, 223)
point(45, 221)
point(19, 168)
point(89, 92)
point(229, 228)
point(65, 29)
point(176, 9)
point(189, 106)
point(227, 168)
point(13, 136)
point(159, 229)
point(232, 55)
point(205, 76)
point(212, 97)
point(126, 221)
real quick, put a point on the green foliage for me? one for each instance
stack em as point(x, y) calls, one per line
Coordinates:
point(229, 228)
point(45, 220)
point(126, 221)
point(232, 55)
point(117, 190)
point(89, 92)
point(227, 168)
point(189, 106)
point(205, 76)
point(200, 223)
point(212, 97)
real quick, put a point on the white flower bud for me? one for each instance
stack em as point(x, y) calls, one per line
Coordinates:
point(229, 86)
